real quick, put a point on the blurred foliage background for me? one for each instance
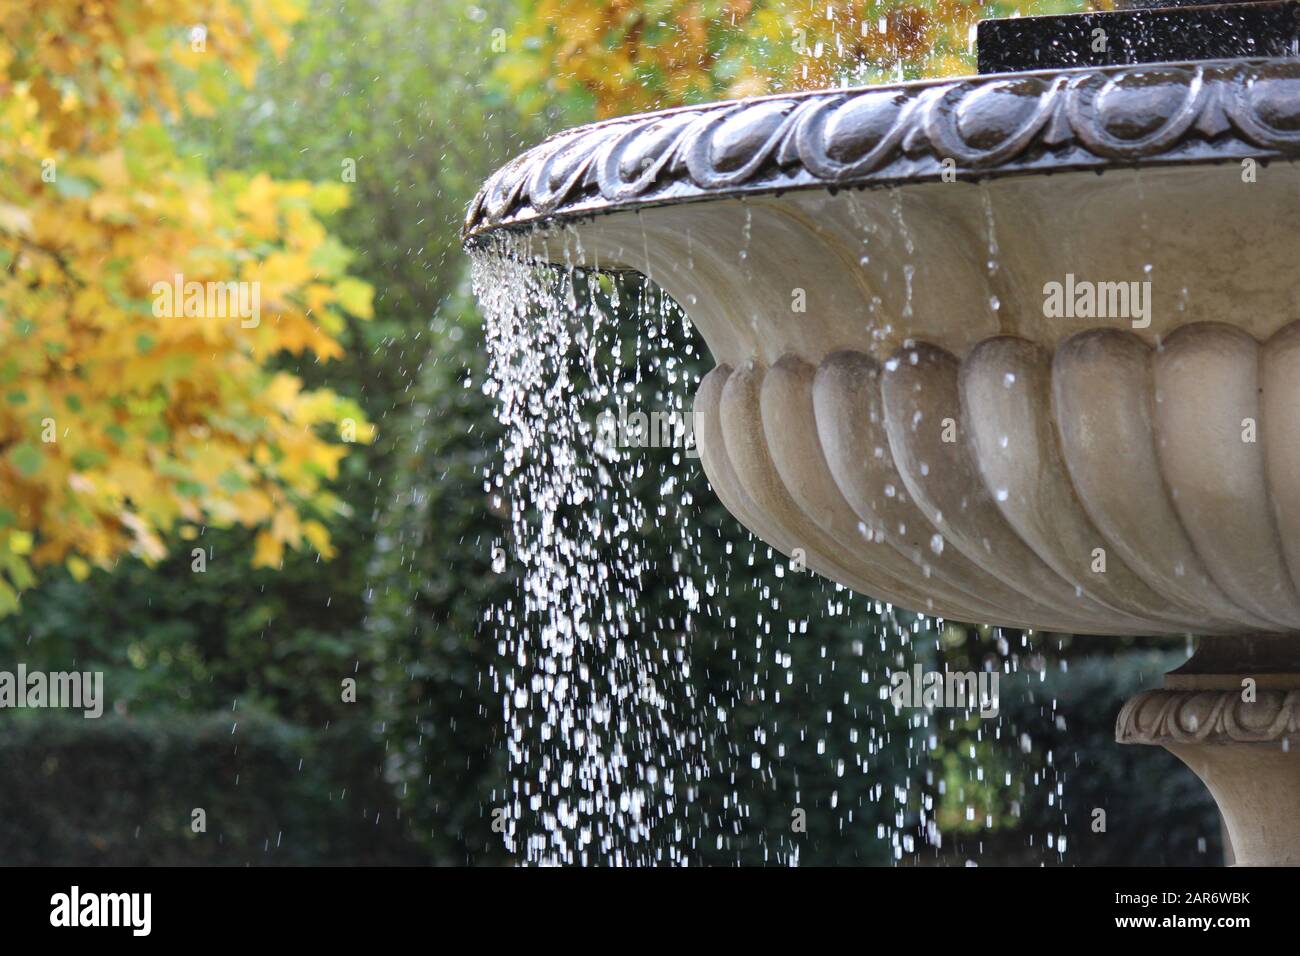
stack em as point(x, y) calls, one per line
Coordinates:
point(225, 684)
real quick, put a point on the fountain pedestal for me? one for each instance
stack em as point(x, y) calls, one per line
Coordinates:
point(1232, 714)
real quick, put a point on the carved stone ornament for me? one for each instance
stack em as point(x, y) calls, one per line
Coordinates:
point(998, 125)
point(1209, 717)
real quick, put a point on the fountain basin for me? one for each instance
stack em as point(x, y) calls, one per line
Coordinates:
point(1018, 349)
point(1107, 487)
point(913, 394)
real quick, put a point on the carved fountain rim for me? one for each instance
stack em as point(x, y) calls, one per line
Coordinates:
point(968, 128)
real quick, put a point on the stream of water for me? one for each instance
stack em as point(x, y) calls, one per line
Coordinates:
point(621, 752)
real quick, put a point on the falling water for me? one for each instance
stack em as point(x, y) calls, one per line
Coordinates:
point(619, 751)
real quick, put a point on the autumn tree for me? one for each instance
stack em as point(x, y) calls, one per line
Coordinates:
point(144, 300)
point(614, 57)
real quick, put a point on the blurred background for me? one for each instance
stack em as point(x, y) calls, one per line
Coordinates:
point(233, 523)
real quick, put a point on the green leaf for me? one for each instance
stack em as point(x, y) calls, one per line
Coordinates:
point(331, 257)
point(73, 187)
point(27, 458)
point(355, 296)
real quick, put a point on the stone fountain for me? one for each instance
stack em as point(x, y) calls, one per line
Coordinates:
point(1020, 349)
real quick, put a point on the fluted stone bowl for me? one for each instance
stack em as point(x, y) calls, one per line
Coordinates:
point(894, 398)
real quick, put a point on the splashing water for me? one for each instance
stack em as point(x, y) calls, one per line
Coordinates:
point(587, 698)
point(619, 752)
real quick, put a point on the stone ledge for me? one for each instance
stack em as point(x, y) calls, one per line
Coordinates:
point(972, 128)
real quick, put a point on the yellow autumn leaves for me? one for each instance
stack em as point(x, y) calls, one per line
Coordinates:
point(626, 56)
point(121, 422)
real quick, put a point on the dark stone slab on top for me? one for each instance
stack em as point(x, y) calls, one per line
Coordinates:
point(1160, 33)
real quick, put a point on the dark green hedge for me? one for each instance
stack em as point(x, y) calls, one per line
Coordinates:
point(1157, 812)
point(122, 791)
